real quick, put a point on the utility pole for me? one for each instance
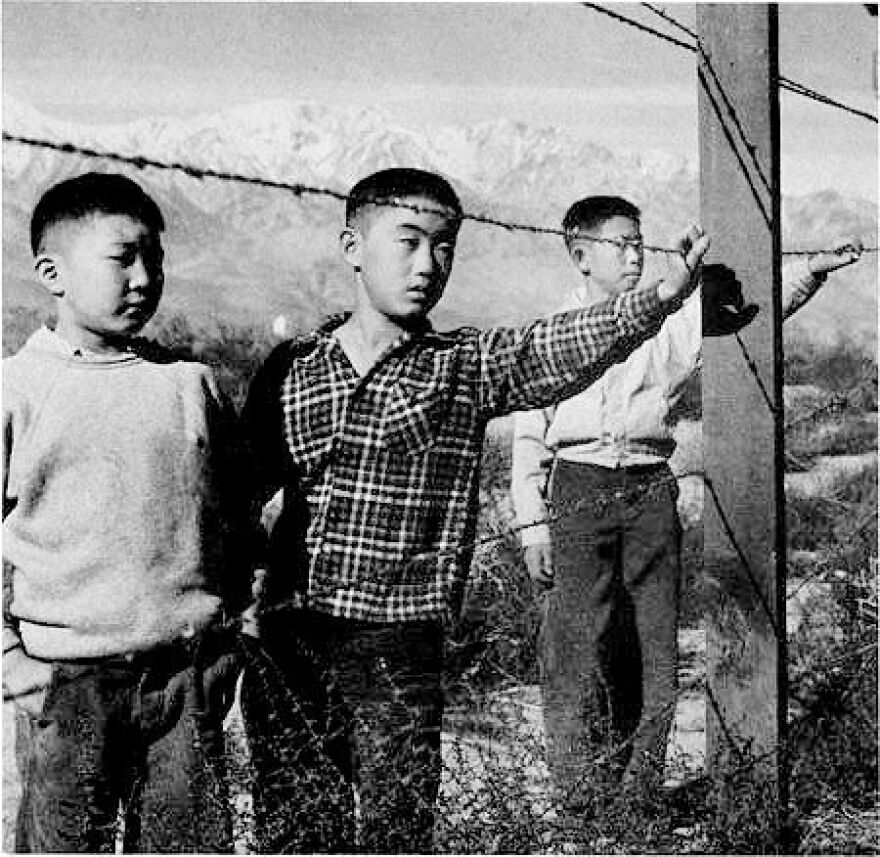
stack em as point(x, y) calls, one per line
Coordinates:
point(744, 508)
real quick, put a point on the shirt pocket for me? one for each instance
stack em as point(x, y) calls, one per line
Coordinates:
point(413, 416)
point(310, 428)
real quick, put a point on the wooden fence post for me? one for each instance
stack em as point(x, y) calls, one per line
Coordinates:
point(744, 518)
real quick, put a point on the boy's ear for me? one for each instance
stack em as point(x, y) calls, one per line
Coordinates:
point(581, 258)
point(350, 244)
point(46, 268)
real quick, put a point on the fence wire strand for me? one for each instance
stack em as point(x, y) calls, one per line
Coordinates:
point(298, 189)
point(784, 82)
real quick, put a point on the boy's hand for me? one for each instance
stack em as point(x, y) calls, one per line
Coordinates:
point(684, 270)
point(25, 680)
point(845, 251)
point(539, 562)
point(724, 308)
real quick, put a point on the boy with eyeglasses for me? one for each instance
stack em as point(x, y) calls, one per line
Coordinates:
point(608, 640)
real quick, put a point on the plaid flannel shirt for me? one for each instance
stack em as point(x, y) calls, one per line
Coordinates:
point(381, 471)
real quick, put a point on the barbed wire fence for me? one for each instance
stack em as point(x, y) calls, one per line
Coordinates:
point(495, 794)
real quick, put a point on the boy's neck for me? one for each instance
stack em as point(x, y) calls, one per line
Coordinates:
point(366, 335)
point(92, 343)
point(593, 293)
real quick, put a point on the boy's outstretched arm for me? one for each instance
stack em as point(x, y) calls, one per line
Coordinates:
point(556, 357)
point(803, 278)
point(724, 310)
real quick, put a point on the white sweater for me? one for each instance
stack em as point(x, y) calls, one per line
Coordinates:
point(120, 502)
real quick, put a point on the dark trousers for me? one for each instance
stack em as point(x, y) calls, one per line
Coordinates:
point(370, 704)
point(608, 645)
point(139, 735)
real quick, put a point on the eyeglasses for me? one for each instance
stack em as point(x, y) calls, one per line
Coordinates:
point(623, 244)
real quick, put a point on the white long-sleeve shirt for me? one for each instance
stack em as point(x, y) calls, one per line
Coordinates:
point(621, 420)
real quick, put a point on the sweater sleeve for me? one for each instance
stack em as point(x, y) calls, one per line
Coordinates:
point(22, 674)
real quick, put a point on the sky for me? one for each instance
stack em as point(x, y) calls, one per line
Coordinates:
point(430, 64)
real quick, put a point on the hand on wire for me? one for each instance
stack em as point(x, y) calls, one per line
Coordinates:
point(845, 250)
point(684, 270)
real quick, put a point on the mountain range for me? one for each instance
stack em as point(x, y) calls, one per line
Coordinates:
point(247, 254)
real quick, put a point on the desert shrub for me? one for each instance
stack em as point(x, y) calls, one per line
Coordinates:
point(833, 671)
point(19, 322)
point(493, 642)
point(842, 521)
point(810, 524)
point(234, 351)
point(835, 368)
point(850, 434)
point(488, 802)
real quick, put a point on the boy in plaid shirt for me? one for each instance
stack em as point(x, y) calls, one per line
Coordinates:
point(374, 425)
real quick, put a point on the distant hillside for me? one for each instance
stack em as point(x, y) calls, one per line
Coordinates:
point(248, 254)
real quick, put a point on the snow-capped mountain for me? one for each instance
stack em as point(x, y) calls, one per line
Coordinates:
point(239, 250)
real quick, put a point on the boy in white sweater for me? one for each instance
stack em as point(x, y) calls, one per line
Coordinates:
point(123, 535)
point(608, 637)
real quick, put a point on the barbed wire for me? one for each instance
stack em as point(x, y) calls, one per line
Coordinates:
point(639, 26)
point(785, 83)
point(299, 189)
point(753, 368)
point(662, 13)
point(741, 556)
point(805, 91)
point(598, 505)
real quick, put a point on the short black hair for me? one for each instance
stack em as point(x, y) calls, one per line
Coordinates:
point(92, 193)
point(592, 211)
point(386, 186)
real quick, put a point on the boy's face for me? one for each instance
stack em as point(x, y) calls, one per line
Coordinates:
point(614, 265)
point(105, 271)
point(404, 257)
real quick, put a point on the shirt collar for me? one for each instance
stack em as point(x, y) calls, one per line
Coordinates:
point(324, 333)
point(58, 344)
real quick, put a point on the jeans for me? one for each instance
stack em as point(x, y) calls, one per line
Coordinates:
point(371, 695)
point(608, 647)
point(137, 737)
